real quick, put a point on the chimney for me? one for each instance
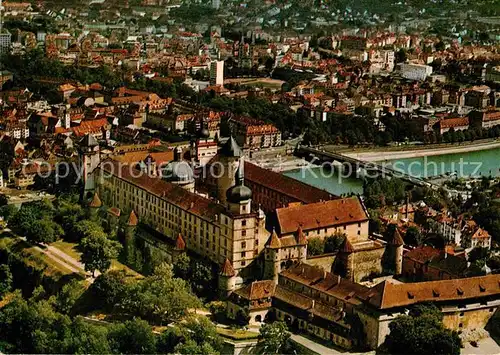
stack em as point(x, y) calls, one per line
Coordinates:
point(338, 279)
point(312, 305)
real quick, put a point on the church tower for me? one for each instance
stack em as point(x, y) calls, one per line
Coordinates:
point(89, 156)
point(229, 157)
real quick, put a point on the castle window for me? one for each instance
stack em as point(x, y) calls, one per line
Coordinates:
point(244, 222)
point(243, 233)
point(243, 245)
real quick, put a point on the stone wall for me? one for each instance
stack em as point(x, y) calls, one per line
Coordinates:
point(469, 319)
point(367, 262)
point(325, 261)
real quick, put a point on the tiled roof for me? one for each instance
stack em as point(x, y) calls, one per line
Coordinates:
point(388, 295)
point(274, 241)
point(114, 211)
point(321, 215)
point(454, 122)
point(301, 237)
point(132, 219)
point(396, 238)
point(188, 201)
point(179, 243)
point(321, 280)
point(423, 254)
point(481, 234)
point(346, 247)
point(227, 269)
point(136, 157)
point(96, 201)
point(257, 290)
point(285, 185)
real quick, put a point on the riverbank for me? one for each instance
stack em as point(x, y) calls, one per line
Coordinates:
point(385, 155)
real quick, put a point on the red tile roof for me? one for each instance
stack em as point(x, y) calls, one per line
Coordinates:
point(179, 243)
point(285, 185)
point(388, 295)
point(274, 241)
point(190, 202)
point(132, 219)
point(96, 201)
point(257, 290)
point(227, 269)
point(396, 238)
point(321, 215)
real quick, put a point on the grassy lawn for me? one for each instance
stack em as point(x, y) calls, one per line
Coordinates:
point(237, 334)
point(68, 248)
point(33, 256)
point(72, 250)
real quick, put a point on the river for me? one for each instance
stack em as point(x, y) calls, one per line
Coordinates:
point(477, 163)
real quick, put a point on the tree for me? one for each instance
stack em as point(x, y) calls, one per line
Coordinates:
point(421, 332)
point(44, 231)
point(274, 337)
point(197, 335)
point(68, 296)
point(161, 298)
point(315, 246)
point(333, 242)
point(108, 289)
point(5, 279)
point(182, 266)
point(35, 222)
point(33, 326)
point(8, 211)
point(98, 251)
point(242, 317)
point(413, 236)
point(87, 339)
point(132, 337)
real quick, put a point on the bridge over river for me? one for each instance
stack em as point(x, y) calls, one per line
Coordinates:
point(352, 167)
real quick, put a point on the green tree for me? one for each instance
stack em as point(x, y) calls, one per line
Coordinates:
point(132, 337)
point(161, 298)
point(87, 339)
point(421, 332)
point(242, 317)
point(44, 231)
point(68, 296)
point(182, 266)
point(333, 242)
point(5, 279)
point(98, 251)
point(274, 337)
point(33, 326)
point(7, 212)
point(109, 289)
point(413, 236)
point(315, 246)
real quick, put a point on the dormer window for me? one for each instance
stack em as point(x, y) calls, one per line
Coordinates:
point(460, 292)
point(482, 288)
point(435, 293)
point(411, 295)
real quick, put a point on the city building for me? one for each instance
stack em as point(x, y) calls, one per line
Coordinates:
point(253, 133)
point(217, 72)
point(415, 71)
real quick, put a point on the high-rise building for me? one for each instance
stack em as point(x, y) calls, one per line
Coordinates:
point(217, 72)
point(5, 36)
